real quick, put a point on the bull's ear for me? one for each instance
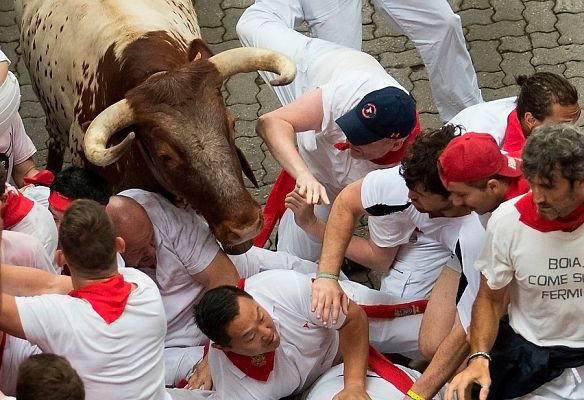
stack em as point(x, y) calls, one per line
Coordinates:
point(199, 49)
point(245, 167)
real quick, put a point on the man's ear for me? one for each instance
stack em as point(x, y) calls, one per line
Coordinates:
point(60, 258)
point(530, 121)
point(579, 189)
point(120, 245)
point(495, 186)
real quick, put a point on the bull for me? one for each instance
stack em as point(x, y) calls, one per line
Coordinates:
point(132, 90)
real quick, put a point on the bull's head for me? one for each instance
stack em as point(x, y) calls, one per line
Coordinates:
point(186, 135)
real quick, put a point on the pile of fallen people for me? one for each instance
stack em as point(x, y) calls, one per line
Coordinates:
point(129, 296)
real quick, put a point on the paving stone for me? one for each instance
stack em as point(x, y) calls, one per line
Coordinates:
point(492, 80)
point(251, 148)
point(219, 47)
point(508, 10)
point(544, 39)
point(236, 3)
point(368, 11)
point(229, 22)
point(245, 112)
point(480, 4)
point(242, 89)
point(9, 34)
point(514, 64)
point(570, 6)
point(478, 50)
point(368, 32)
point(209, 13)
point(272, 169)
point(10, 50)
point(35, 129)
point(571, 28)
point(539, 17)
point(40, 158)
point(212, 35)
point(260, 195)
point(474, 16)
point(430, 121)
point(400, 60)
point(27, 93)
point(6, 5)
point(402, 75)
point(245, 128)
point(515, 44)
point(418, 72)
point(31, 109)
point(6, 18)
point(495, 30)
point(382, 27)
point(385, 44)
point(494, 94)
point(559, 69)
point(423, 96)
point(259, 177)
point(561, 54)
point(268, 100)
point(574, 68)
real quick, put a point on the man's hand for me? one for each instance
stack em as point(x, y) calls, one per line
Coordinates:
point(200, 377)
point(352, 393)
point(327, 300)
point(303, 212)
point(476, 372)
point(308, 187)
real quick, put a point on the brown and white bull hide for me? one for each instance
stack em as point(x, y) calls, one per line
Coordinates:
point(85, 55)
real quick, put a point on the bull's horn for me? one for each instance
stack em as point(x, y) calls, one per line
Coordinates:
point(103, 127)
point(248, 59)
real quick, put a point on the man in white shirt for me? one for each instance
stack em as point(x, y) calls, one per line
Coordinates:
point(111, 326)
point(530, 268)
point(342, 116)
point(544, 97)
point(267, 344)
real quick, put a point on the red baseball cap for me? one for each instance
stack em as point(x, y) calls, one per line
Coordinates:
point(475, 156)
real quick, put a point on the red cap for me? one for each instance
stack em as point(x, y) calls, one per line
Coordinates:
point(475, 156)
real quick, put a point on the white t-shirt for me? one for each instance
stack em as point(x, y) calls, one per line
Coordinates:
point(23, 249)
point(306, 350)
point(39, 223)
point(488, 117)
point(546, 273)
point(15, 145)
point(331, 383)
point(120, 361)
point(344, 76)
point(16, 350)
point(385, 194)
point(184, 247)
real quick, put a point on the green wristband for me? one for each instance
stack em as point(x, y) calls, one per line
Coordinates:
point(327, 276)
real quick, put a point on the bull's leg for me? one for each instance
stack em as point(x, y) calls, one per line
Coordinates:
point(56, 144)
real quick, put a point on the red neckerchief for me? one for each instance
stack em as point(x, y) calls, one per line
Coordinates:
point(514, 138)
point(16, 207)
point(41, 178)
point(275, 207)
point(389, 371)
point(529, 216)
point(517, 187)
point(257, 367)
point(108, 298)
point(393, 157)
point(391, 311)
point(59, 201)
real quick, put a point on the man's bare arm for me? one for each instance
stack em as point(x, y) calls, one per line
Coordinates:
point(220, 271)
point(26, 281)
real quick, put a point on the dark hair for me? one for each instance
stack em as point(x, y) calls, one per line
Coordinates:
point(80, 183)
point(420, 164)
point(554, 146)
point(48, 377)
point(87, 238)
point(215, 311)
point(540, 91)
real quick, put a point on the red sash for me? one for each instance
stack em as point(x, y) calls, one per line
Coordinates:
point(16, 207)
point(108, 298)
point(41, 178)
point(390, 311)
point(529, 216)
point(514, 138)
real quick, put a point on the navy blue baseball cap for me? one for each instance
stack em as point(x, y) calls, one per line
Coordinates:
point(388, 113)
